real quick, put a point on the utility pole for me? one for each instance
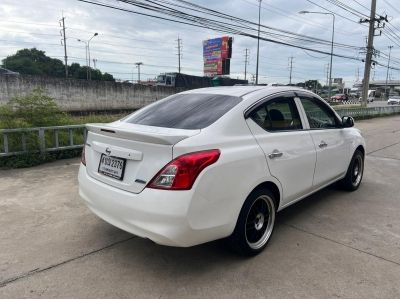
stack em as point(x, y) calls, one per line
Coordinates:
point(327, 74)
point(62, 24)
point(370, 49)
point(138, 64)
point(94, 63)
point(387, 71)
point(246, 62)
point(291, 68)
point(179, 54)
point(258, 39)
point(358, 74)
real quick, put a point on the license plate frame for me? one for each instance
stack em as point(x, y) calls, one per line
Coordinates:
point(108, 174)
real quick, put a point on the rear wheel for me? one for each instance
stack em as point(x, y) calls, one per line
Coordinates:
point(255, 223)
point(354, 173)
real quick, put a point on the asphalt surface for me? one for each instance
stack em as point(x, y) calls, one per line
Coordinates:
point(332, 244)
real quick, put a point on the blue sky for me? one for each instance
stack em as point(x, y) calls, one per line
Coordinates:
point(126, 38)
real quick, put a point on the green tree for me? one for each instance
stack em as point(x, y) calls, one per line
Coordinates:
point(108, 77)
point(36, 62)
point(313, 85)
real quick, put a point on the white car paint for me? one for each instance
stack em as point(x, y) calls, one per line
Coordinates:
point(393, 100)
point(210, 209)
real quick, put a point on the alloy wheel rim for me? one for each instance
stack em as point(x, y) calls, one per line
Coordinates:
point(260, 222)
point(357, 171)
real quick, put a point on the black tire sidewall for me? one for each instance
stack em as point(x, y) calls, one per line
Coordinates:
point(238, 240)
point(347, 181)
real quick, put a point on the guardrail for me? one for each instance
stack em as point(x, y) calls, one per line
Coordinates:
point(368, 112)
point(47, 139)
point(43, 139)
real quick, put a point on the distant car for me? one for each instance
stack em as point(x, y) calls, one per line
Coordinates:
point(354, 95)
point(393, 100)
point(339, 97)
point(217, 162)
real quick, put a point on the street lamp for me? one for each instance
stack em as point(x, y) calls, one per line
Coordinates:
point(333, 34)
point(88, 73)
point(96, 34)
point(86, 56)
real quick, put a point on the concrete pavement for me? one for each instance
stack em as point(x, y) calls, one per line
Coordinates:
point(332, 244)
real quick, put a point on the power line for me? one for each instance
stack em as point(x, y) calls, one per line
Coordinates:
point(216, 25)
point(335, 13)
point(392, 7)
point(290, 16)
point(362, 5)
point(347, 8)
point(211, 23)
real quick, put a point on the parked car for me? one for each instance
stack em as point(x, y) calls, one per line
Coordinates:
point(393, 100)
point(217, 163)
point(339, 97)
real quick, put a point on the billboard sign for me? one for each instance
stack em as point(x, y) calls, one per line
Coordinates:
point(215, 53)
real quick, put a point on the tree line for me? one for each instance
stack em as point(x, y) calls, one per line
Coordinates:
point(36, 62)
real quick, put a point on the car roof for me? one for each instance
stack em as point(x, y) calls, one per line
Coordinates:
point(240, 91)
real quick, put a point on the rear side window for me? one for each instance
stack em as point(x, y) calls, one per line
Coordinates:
point(185, 111)
point(277, 114)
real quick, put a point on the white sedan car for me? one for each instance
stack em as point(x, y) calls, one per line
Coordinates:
point(217, 163)
point(393, 100)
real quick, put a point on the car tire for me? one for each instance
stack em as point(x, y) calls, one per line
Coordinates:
point(255, 224)
point(355, 172)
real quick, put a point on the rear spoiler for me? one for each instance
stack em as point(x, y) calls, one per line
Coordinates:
point(142, 133)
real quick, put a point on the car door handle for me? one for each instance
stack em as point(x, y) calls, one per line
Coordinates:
point(275, 154)
point(322, 144)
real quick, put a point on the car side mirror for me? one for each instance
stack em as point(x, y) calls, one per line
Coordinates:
point(347, 121)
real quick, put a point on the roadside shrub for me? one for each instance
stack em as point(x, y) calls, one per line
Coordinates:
point(31, 159)
point(33, 110)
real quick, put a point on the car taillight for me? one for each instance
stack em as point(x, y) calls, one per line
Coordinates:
point(181, 173)
point(83, 157)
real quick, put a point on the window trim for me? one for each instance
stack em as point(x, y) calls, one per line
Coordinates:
point(323, 102)
point(272, 97)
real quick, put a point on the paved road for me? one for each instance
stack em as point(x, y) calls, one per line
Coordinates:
point(332, 244)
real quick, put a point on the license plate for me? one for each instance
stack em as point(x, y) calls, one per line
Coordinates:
point(112, 166)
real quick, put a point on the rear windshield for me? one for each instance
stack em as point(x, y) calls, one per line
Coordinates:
point(185, 111)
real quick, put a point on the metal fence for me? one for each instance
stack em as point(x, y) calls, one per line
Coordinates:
point(41, 139)
point(46, 139)
point(368, 112)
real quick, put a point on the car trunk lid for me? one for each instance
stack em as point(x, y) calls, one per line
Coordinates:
point(127, 156)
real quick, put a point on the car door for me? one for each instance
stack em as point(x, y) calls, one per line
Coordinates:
point(329, 138)
point(289, 150)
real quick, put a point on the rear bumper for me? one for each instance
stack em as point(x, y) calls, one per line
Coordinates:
point(162, 216)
